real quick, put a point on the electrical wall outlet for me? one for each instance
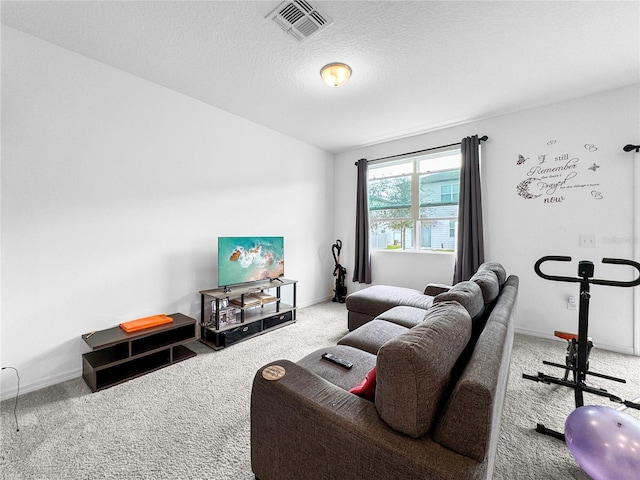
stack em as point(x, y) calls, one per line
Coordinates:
point(588, 241)
point(571, 303)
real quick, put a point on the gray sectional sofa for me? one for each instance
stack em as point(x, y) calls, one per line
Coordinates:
point(440, 381)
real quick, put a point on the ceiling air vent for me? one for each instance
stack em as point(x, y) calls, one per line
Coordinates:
point(299, 18)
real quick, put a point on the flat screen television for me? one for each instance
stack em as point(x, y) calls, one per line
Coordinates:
point(249, 259)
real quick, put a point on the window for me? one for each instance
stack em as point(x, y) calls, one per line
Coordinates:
point(413, 202)
point(449, 193)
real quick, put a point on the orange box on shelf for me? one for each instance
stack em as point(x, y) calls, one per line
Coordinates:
point(145, 322)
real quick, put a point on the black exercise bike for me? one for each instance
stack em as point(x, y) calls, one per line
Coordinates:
point(580, 345)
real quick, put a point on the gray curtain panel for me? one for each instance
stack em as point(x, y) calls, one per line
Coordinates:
point(362, 267)
point(470, 254)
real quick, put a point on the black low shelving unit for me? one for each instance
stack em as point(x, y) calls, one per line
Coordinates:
point(119, 356)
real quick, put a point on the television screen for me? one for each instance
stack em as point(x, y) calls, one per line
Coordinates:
point(249, 259)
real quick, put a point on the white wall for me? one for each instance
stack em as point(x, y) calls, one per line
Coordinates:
point(519, 231)
point(114, 191)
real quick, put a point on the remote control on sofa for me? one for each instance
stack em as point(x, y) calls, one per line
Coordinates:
point(337, 361)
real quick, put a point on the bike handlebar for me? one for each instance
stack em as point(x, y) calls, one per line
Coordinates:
point(611, 283)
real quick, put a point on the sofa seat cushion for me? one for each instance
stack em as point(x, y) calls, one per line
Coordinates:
point(405, 316)
point(378, 298)
point(362, 361)
point(414, 369)
point(371, 336)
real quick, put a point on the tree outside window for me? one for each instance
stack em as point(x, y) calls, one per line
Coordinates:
point(413, 202)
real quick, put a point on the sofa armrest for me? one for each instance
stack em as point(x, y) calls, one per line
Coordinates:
point(434, 289)
point(303, 426)
point(470, 420)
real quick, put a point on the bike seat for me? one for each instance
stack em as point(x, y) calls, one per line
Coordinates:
point(568, 336)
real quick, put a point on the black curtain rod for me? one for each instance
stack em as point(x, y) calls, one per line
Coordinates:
point(629, 147)
point(484, 138)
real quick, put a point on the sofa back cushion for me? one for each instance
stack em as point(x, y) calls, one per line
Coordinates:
point(496, 268)
point(487, 280)
point(468, 294)
point(414, 369)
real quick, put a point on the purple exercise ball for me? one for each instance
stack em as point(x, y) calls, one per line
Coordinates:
point(604, 442)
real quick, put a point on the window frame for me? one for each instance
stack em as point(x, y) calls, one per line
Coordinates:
point(418, 222)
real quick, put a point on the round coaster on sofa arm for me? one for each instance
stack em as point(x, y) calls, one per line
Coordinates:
point(273, 372)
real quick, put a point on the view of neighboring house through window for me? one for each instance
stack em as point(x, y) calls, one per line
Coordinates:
point(413, 202)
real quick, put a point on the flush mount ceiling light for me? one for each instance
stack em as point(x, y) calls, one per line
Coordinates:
point(335, 74)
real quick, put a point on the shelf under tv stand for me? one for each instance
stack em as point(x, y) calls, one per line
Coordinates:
point(248, 320)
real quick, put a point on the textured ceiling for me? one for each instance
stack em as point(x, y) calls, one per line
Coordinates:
point(417, 66)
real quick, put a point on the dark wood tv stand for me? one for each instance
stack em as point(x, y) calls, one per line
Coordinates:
point(250, 320)
point(119, 356)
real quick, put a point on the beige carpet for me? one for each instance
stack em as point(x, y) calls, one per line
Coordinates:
point(522, 452)
point(191, 420)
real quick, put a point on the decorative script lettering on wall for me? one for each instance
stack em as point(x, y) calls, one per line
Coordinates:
point(555, 175)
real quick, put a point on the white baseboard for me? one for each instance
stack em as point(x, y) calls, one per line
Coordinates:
point(602, 346)
point(9, 393)
point(316, 301)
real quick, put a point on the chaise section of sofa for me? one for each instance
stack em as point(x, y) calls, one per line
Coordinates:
point(366, 304)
